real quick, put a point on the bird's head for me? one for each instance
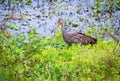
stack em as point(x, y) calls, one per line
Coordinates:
point(59, 22)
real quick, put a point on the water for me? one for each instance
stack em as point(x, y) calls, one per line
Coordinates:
point(78, 11)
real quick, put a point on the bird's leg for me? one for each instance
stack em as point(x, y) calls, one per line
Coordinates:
point(68, 46)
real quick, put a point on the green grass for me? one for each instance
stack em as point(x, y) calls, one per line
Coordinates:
point(38, 58)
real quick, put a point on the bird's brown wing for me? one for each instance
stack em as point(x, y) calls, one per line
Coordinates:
point(82, 38)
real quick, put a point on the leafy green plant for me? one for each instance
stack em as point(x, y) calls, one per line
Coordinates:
point(37, 58)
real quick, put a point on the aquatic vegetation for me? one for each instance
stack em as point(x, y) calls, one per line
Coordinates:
point(12, 26)
point(38, 15)
point(80, 16)
point(40, 58)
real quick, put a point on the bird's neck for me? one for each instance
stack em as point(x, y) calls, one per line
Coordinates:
point(63, 29)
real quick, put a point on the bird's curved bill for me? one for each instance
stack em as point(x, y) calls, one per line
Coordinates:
point(55, 27)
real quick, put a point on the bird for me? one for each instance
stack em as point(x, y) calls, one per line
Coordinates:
point(76, 37)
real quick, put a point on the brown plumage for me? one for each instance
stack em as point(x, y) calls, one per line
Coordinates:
point(76, 37)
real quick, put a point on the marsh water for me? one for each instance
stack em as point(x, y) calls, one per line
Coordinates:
point(79, 15)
